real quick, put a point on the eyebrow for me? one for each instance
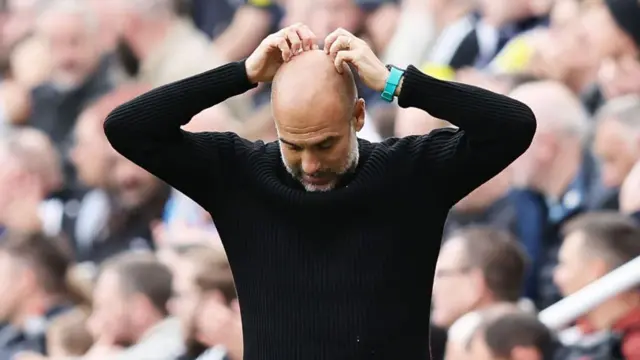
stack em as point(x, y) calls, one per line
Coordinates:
point(328, 138)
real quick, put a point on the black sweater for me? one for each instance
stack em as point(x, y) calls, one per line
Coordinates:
point(339, 275)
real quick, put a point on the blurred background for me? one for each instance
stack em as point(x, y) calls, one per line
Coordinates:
point(101, 260)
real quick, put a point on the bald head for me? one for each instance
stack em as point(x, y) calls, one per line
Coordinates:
point(311, 81)
point(555, 106)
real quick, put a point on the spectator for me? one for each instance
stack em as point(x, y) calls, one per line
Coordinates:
point(115, 214)
point(30, 173)
point(33, 272)
point(170, 48)
point(79, 73)
point(477, 268)
point(594, 244)
point(68, 336)
point(630, 193)
point(617, 138)
point(205, 295)
point(554, 180)
point(515, 336)
point(130, 317)
point(488, 205)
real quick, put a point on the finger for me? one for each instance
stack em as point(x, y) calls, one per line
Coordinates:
point(343, 58)
point(341, 43)
point(331, 38)
point(281, 44)
point(307, 37)
point(292, 36)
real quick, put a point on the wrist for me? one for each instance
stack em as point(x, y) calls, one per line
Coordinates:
point(399, 87)
point(251, 73)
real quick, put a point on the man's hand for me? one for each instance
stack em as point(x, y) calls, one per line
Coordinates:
point(276, 49)
point(344, 47)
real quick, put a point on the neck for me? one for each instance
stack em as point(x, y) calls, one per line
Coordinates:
point(146, 325)
point(560, 174)
point(606, 316)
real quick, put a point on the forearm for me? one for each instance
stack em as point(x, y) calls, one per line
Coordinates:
point(479, 112)
point(248, 27)
point(161, 112)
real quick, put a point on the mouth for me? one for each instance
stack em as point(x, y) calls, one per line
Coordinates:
point(315, 180)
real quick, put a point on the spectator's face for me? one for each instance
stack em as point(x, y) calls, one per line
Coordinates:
point(332, 14)
point(499, 12)
point(617, 149)
point(92, 155)
point(12, 286)
point(600, 34)
point(134, 185)
point(574, 270)
point(186, 297)
point(73, 48)
point(455, 288)
point(110, 317)
point(21, 17)
point(10, 176)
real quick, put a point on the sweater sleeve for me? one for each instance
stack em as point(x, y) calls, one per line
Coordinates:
point(493, 131)
point(147, 131)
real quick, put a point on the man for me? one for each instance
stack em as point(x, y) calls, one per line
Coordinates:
point(595, 244)
point(514, 336)
point(553, 180)
point(203, 296)
point(617, 138)
point(79, 73)
point(130, 311)
point(29, 175)
point(34, 291)
point(114, 215)
point(477, 268)
point(318, 264)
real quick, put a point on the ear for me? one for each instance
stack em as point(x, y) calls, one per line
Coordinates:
point(478, 281)
point(358, 114)
point(525, 353)
point(598, 268)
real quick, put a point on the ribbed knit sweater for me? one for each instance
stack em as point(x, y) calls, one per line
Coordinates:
point(339, 275)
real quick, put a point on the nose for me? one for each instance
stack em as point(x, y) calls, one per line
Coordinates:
point(310, 164)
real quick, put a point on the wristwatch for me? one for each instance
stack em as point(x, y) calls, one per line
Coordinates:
point(395, 75)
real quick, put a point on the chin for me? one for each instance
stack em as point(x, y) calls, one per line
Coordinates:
point(318, 188)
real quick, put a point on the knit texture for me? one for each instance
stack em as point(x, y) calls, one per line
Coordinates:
point(339, 275)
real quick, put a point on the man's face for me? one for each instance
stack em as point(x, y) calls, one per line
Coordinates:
point(573, 270)
point(73, 48)
point(454, 290)
point(186, 297)
point(91, 153)
point(10, 177)
point(134, 186)
point(600, 35)
point(318, 148)
point(12, 286)
point(617, 151)
point(110, 316)
point(329, 15)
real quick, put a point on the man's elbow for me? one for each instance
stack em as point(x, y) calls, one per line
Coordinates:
point(524, 129)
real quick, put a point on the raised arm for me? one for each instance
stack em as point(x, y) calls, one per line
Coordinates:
point(493, 131)
point(147, 130)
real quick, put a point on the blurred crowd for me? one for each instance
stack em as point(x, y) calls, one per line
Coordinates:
point(101, 260)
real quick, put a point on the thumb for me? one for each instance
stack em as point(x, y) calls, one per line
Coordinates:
point(343, 58)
